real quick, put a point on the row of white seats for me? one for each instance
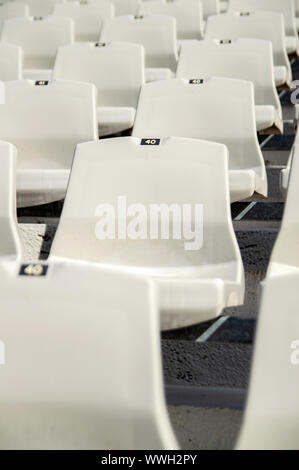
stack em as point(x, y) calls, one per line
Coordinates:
point(40, 38)
point(13, 8)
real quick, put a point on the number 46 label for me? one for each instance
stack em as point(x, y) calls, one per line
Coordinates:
point(150, 141)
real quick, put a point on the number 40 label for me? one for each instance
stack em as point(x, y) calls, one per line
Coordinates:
point(150, 141)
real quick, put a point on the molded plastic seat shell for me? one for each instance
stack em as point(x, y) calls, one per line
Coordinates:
point(194, 284)
point(88, 16)
point(257, 25)
point(216, 109)
point(62, 373)
point(286, 7)
point(245, 59)
point(39, 38)
point(156, 33)
point(116, 69)
point(12, 10)
point(45, 122)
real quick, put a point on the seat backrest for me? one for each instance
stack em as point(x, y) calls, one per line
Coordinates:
point(156, 33)
point(188, 15)
point(286, 7)
point(10, 244)
point(12, 10)
point(62, 371)
point(126, 7)
point(11, 62)
point(210, 7)
point(45, 121)
point(258, 25)
point(41, 7)
point(115, 68)
point(39, 38)
point(88, 16)
point(216, 109)
point(245, 59)
point(131, 174)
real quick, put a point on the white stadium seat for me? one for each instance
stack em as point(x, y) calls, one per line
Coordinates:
point(45, 121)
point(116, 69)
point(272, 412)
point(39, 38)
point(10, 244)
point(216, 109)
point(257, 25)
point(126, 7)
point(286, 7)
point(188, 15)
point(64, 379)
point(12, 10)
point(195, 278)
point(245, 59)
point(11, 62)
point(88, 16)
point(41, 7)
point(156, 33)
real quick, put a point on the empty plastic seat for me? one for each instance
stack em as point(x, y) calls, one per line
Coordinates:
point(12, 10)
point(11, 62)
point(188, 15)
point(88, 16)
point(45, 121)
point(156, 33)
point(247, 59)
point(41, 7)
point(39, 38)
point(10, 244)
point(126, 7)
point(258, 25)
point(286, 7)
point(272, 412)
point(71, 375)
point(116, 69)
point(195, 277)
point(216, 109)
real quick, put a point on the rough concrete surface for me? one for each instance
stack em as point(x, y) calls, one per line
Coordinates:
point(205, 428)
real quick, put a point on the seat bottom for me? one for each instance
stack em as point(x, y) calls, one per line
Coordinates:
point(291, 44)
point(281, 76)
point(267, 119)
point(36, 187)
point(112, 120)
